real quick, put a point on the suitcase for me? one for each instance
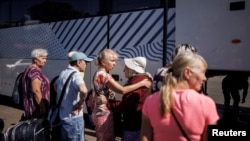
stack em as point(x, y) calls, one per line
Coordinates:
point(29, 130)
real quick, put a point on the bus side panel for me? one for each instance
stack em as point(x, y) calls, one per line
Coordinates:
point(131, 34)
point(141, 34)
point(220, 35)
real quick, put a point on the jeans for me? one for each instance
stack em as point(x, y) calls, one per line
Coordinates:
point(72, 129)
point(131, 135)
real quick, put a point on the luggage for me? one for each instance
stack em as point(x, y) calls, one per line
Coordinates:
point(29, 130)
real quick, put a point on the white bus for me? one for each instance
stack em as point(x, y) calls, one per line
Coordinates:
point(130, 27)
point(149, 28)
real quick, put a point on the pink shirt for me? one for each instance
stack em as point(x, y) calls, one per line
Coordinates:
point(193, 111)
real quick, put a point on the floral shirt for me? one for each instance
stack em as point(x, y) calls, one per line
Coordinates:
point(99, 81)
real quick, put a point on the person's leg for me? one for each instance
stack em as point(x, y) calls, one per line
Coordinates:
point(73, 129)
point(1, 128)
point(131, 136)
point(64, 134)
point(1, 125)
point(236, 100)
point(227, 97)
point(104, 126)
point(236, 97)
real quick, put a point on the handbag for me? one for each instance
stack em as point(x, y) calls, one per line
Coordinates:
point(28, 130)
point(180, 127)
point(53, 115)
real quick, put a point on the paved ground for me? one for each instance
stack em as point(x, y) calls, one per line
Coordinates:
point(11, 115)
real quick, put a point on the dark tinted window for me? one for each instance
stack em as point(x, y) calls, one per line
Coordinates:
point(130, 5)
point(18, 12)
point(23, 12)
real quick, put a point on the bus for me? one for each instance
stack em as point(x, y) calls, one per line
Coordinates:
point(130, 27)
point(149, 28)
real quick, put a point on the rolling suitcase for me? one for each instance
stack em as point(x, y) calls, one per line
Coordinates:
point(29, 130)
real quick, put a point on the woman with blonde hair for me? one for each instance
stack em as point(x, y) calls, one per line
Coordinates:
point(104, 88)
point(179, 106)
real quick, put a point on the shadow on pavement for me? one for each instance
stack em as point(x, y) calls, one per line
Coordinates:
point(230, 118)
point(7, 101)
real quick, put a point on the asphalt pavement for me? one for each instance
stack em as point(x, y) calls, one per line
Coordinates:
point(11, 114)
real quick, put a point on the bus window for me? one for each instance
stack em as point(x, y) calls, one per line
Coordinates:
point(17, 13)
point(131, 5)
point(26, 12)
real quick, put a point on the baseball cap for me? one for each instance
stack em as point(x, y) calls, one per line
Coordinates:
point(80, 56)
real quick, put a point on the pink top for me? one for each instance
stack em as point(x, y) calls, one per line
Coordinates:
point(193, 111)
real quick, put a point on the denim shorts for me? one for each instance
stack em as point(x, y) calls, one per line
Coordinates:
point(72, 129)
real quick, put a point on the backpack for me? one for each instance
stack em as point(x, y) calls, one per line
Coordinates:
point(53, 91)
point(17, 93)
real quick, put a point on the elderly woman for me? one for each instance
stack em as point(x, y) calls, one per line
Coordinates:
point(104, 94)
point(179, 106)
point(162, 71)
point(132, 102)
point(36, 87)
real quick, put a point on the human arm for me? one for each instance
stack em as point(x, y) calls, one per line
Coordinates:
point(112, 84)
point(204, 136)
point(146, 129)
point(36, 90)
point(83, 93)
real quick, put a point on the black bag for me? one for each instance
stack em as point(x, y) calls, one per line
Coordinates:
point(29, 130)
point(17, 94)
point(53, 91)
point(53, 115)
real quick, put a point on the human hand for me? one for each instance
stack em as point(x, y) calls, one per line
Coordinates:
point(101, 99)
point(77, 108)
point(147, 83)
point(42, 109)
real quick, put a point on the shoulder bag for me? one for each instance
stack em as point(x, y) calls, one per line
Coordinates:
point(180, 127)
point(53, 115)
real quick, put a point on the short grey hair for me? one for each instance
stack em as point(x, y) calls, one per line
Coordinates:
point(39, 52)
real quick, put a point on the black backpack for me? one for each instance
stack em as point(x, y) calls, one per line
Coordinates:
point(53, 92)
point(17, 93)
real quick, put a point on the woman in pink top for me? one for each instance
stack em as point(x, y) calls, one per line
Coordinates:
point(179, 96)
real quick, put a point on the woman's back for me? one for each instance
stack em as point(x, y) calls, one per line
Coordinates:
point(193, 111)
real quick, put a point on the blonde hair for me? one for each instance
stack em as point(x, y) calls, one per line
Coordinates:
point(104, 55)
point(174, 76)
